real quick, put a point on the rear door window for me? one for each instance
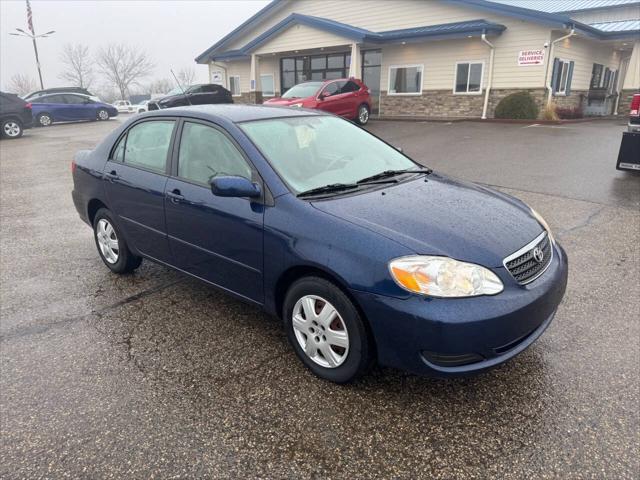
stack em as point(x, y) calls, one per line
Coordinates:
point(147, 145)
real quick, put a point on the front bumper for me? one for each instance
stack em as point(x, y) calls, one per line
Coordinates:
point(461, 336)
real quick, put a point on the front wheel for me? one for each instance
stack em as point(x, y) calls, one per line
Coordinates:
point(363, 115)
point(326, 330)
point(111, 244)
point(12, 128)
point(102, 114)
point(44, 119)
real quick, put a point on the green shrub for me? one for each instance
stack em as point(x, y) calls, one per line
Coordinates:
point(517, 105)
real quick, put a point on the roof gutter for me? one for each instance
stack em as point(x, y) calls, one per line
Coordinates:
point(487, 90)
point(550, 59)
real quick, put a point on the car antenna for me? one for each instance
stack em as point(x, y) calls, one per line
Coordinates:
point(183, 92)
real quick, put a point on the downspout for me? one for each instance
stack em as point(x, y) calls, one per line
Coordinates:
point(490, 79)
point(550, 59)
point(615, 109)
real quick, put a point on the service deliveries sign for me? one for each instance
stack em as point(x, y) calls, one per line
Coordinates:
point(527, 58)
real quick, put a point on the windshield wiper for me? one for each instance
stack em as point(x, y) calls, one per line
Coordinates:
point(333, 187)
point(392, 173)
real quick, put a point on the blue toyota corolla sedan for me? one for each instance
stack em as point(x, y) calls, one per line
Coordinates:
point(364, 254)
point(69, 107)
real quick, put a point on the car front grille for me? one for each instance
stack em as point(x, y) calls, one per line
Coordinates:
point(531, 261)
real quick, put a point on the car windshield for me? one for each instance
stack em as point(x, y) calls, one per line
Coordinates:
point(303, 90)
point(313, 151)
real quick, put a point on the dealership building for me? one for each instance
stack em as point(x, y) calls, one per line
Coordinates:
point(439, 58)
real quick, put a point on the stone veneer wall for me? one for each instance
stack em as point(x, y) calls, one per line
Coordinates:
point(445, 104)
point(575, 99)
point(249, 97)
point(625, 101)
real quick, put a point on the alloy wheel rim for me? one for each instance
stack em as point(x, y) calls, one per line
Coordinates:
point(320, 331)
point(102, 115)
point(364, 115)
point(45, 120)
point(11, 129)
point(107, 241)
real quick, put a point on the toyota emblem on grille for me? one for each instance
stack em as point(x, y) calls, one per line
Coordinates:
point(538, 254)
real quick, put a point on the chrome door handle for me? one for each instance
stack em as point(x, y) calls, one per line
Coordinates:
point(175, 196)
point(112, 175)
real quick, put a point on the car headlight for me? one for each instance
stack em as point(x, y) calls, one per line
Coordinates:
point(443, 277)
point(299, 105)
point(544, 224)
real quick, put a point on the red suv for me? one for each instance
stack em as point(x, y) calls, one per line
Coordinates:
point(347, 97)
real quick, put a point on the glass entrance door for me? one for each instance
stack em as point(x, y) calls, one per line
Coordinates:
point(294, 70)
point(371, 69)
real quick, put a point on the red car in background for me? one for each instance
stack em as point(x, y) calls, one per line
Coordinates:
point(346, 97)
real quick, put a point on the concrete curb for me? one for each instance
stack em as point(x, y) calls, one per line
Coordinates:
point(498, 120)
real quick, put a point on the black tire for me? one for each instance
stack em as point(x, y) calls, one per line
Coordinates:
point(360, 353)
point(126, 261)
point(11, 128)
point(102, 114)
point(44, 119)
point(363, 114)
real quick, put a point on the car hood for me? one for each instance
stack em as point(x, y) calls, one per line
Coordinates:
point(442, 216)
point(285, 101)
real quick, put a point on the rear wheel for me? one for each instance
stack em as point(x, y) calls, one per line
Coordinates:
point(12, 128)
point(326, 330)
point(44, 119)
point(111, 244)
point(363, 115)
point(102, 114)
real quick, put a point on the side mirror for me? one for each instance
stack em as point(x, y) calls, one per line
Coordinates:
point(234, 186)
point(324, 95)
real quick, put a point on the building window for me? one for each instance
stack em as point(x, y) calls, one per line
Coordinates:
point(296, 70)
point(267, 84)
point(469, 77)
point(234, 85)
point(405, 80)
point(561, 76)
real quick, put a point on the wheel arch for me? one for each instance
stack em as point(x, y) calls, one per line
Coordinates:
point(92, 208)
point(295, 273)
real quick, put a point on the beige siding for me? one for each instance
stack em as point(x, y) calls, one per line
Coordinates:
point(242, 69)
point(271, 65)
point(585, 53)
point(632, 79)
point(439, 60)
point(388, 15)
point(300, 37)
point(608, 15)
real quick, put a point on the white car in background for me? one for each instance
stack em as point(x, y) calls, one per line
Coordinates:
point(141, 107)
point(124, 106)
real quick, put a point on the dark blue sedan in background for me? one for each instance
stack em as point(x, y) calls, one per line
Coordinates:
point(68, 107)
point(364, 254)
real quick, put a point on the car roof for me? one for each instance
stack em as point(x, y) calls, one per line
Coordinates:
point(236, 113)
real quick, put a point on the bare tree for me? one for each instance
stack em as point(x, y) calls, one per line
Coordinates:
point(123, 66)
point(78, 65)
point(162, 85)
point(186, 76)
point(21, 84)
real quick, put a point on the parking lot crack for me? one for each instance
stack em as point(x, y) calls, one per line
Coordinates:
point(45, 327)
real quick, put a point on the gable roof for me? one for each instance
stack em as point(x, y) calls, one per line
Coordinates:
point(429, 32)
point(451, 30)
point(566, 6)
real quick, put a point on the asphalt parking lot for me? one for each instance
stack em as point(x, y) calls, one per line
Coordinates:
point(155, 375)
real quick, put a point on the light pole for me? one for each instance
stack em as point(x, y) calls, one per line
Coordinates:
point(32, 36)
point(35, 47)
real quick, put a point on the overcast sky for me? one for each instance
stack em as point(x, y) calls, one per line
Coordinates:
point(172, 32)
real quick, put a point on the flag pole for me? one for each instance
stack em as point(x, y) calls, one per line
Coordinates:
point(33, 38)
